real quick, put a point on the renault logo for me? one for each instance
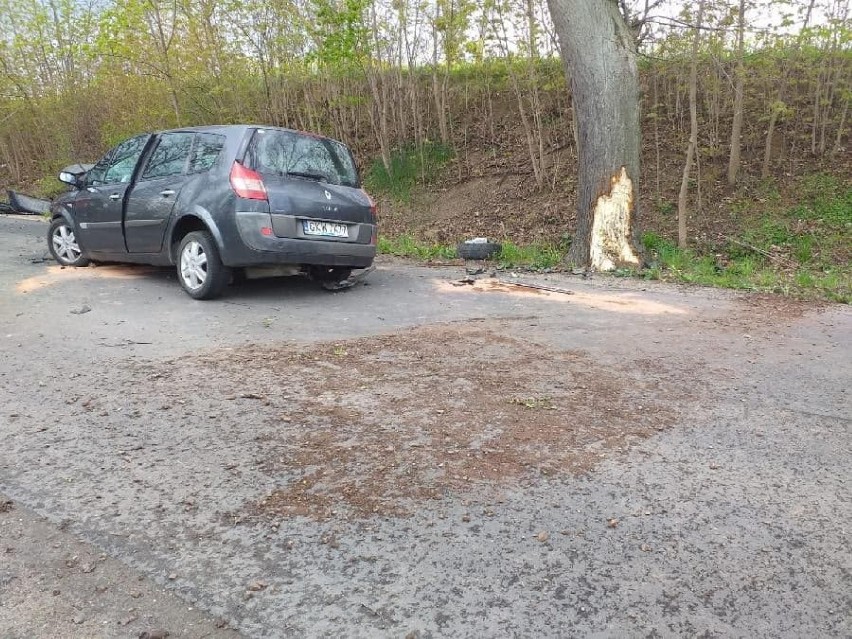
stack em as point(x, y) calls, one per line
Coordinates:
point(327, 195)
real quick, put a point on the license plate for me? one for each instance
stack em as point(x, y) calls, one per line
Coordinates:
point(325, 229)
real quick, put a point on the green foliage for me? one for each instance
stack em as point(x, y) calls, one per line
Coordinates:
point(740, 266)
point(537, 256)
point(826, 198)
point(408, 167)
point(407, 246)
point(48, 187)
point(534, 256)
point(340, 32)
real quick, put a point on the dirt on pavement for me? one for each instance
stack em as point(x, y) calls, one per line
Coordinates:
point(378, 425)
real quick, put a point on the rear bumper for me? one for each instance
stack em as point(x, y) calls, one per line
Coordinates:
point(258, 249)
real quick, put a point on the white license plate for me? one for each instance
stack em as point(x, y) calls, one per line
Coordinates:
point(325, 229)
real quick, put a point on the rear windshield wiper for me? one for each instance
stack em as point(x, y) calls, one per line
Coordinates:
point(308, 174)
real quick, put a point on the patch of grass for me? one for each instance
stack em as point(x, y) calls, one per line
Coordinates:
point(407, 246)
point(408, 167)
point(739, 268)
point(49, 186)
point(536, 256)
point(825, 197)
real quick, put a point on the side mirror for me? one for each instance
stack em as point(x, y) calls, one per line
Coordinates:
point(69, 178)
point(75, 175)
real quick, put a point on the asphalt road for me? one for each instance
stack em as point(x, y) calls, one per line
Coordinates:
point(729, 519)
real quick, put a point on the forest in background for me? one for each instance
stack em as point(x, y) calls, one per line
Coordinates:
point(458, 110)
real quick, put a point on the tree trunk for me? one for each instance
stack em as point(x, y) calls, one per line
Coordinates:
point(598, 48)
point(840, 128)
point(693, 131)
point(737, 126)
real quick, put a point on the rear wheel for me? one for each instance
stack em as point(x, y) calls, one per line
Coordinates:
point(329, 273)
point(63, 244)
point(200, 270)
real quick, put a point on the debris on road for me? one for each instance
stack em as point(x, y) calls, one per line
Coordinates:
point(350, 281)
point(478, 248)
point(21, 204)
point(538, 287)
point(81, 311)
point(257, 586)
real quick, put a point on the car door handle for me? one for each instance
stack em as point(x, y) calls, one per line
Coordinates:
point(115, 196)
point(167, 192)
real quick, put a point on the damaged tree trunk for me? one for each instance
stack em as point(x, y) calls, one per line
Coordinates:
point(599, 52)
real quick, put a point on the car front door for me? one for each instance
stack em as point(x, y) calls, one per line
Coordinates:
point(99, 206)
point(150, 202)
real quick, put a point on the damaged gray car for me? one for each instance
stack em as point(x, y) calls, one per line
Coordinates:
point(216, 202)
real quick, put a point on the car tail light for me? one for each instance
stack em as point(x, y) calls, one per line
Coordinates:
point(247, 183)
point(372, 204)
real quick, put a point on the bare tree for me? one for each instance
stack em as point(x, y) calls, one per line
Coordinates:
point(693, 130)
point(737, 125)
point(599, 49)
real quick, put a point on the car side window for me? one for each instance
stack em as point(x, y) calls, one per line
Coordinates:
point(170, 156)
point(123, 160)
point(96, 174)
point(208, 146)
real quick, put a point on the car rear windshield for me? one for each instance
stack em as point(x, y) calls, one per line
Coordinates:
point(288, 153)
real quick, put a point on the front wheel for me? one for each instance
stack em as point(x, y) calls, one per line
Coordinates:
point(63, 244)
point(200, 270)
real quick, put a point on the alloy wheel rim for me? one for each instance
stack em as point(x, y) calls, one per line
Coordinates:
point(193, 265)
point(65, 244)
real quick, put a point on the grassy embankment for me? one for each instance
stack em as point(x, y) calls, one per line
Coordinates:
point(801, 249)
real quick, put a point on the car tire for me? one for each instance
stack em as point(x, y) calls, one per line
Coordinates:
point(63, 244)
point(327, 274)
point(199, 268)
point(477, 251)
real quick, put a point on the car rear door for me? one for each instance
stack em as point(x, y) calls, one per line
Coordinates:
point(98, 207)
point(152, 199)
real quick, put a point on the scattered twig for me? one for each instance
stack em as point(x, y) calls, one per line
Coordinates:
point(127, 342)
point(757, 249)
point(540, 287)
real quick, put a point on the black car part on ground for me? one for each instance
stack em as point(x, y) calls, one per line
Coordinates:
point(25, 204)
